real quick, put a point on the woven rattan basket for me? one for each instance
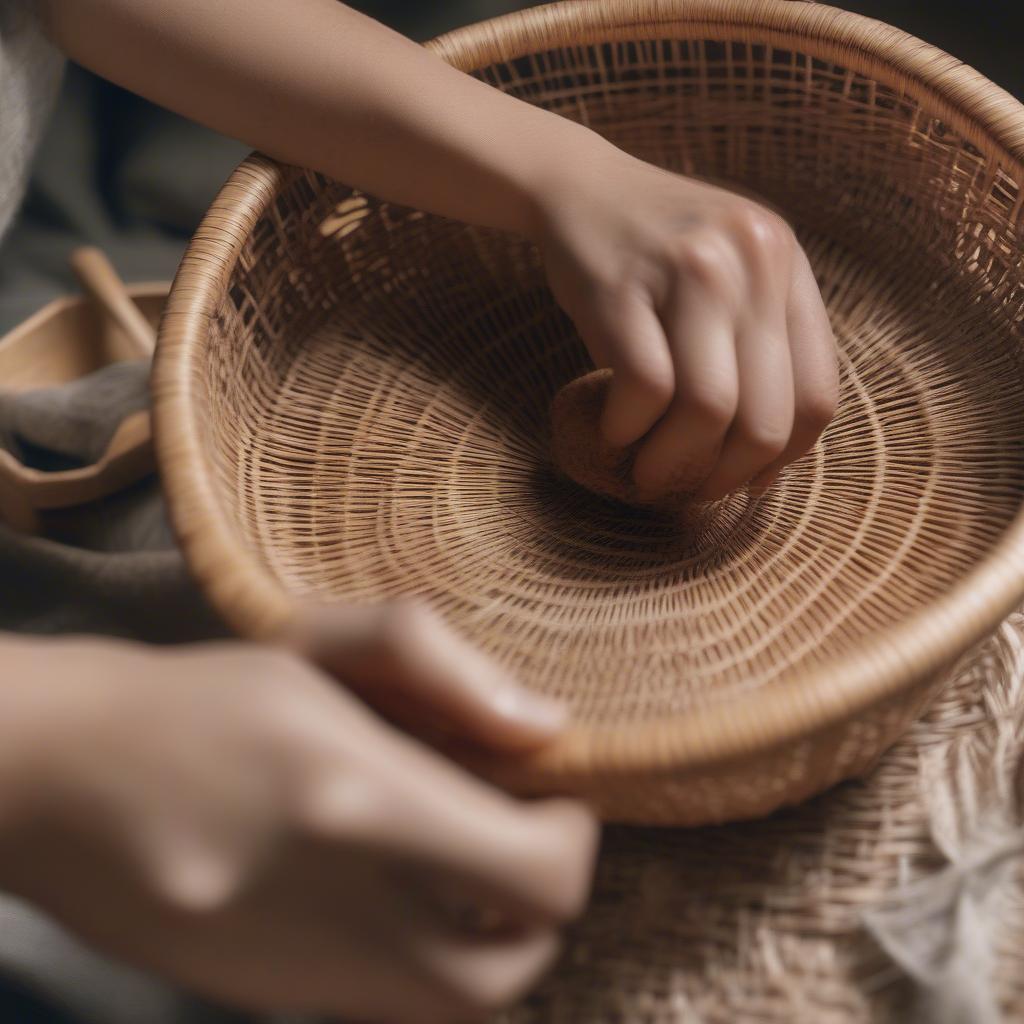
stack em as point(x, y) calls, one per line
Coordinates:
point(351, 404)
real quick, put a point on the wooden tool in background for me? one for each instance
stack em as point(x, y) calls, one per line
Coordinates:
point(67, 339)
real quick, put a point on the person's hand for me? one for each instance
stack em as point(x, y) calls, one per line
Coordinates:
point(705, 307)
point(228, 816)
point(402, 658)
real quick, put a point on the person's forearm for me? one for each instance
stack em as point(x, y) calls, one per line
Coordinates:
point(23, 672)
point(317, 84)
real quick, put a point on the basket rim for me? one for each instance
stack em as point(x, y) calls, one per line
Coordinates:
point(792, 707)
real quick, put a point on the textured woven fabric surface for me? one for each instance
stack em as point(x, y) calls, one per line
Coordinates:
point(898, 898)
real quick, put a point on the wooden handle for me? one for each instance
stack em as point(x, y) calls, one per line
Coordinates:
point(100, 280)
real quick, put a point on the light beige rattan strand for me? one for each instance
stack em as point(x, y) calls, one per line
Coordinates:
point(351, 404)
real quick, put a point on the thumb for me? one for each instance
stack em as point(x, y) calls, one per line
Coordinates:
point(404, 660)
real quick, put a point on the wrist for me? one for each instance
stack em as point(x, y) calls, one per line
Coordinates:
point(38, 713)
point(19, 745)
point(584, 164)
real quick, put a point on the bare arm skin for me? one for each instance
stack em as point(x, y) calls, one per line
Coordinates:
point(318, 84)
point(702, 302)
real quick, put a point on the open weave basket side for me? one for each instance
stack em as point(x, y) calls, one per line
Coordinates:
point(349, 394)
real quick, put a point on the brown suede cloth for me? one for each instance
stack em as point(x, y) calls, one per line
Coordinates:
point(578, 448)
point(580, 451)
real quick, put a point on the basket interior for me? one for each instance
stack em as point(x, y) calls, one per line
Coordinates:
point(375, 385)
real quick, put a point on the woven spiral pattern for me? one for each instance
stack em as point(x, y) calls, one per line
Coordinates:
point(428, 472)
point(372, 388)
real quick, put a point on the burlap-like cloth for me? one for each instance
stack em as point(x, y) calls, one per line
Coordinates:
point(896, 899)
point(893, 899)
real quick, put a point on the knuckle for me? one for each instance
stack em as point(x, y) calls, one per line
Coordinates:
point(766, 437)
point(712, 402)
point(704, 260)
point(653, 379)
point(346, 805)
point(762, 231)
point(197, 887)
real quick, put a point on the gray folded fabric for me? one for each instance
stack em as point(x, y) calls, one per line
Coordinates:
point(51, 974)
point(73, 423)
point(110, 567)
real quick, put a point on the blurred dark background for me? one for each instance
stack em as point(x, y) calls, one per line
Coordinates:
point(122, 174)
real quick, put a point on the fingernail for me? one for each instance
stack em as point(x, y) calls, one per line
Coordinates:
point(531, 709)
